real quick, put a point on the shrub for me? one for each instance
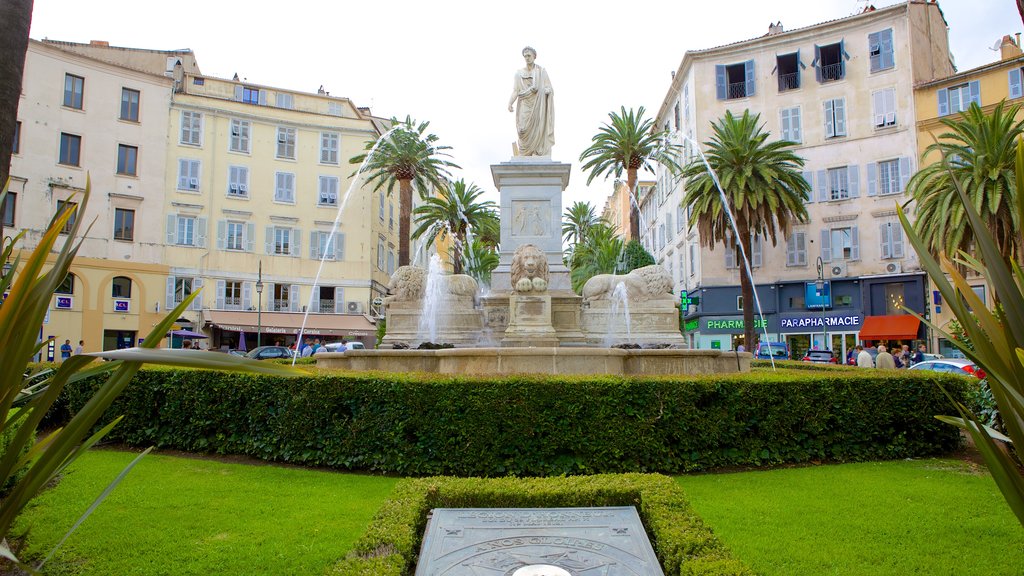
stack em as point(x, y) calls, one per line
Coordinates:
point(635, 256)
point(537, 426)
point(6, 436)
point(683, 544)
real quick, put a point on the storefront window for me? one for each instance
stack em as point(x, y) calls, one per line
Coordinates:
point(894, 299)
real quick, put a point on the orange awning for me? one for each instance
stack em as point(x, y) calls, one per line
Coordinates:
point(901, 327)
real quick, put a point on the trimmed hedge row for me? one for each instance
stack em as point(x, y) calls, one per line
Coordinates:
point(683, 544)
point(537, 426)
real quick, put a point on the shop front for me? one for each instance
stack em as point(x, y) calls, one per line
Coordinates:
point(815, 331)
point(235, 330)
point(726, 332)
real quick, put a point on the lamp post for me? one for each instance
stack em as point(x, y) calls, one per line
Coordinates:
point(259, 305)
point(819, 284)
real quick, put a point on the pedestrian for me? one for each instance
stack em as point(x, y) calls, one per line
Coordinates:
point(864, 358)
point(307, 349)
point(80, 348)
point(919, 355)
point(186, 345)
point(905, 356)
point(316, 345)
point(65, 350)
point(884, 360)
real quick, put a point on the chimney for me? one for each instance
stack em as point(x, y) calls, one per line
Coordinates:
point(1009, 49)
point(775, 28)
point(102, 43)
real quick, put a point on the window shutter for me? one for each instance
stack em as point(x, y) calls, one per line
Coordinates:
point(888, 52)
point(801, 248)
point(271, 240)
point(809, 178)
point(872, 179)
point(182, 174)
point(250, 236)
point(854, 243)
point(169, 302)
point(314, 245)
point(755, 247)
point(840, 109)
point(875, 44)
point(263, 97)
point(795, 125)
point(720, 83)
point(238, 93)
point(339, 300)
point(220, 294)
point(784, 123)
point(823, 192)
point(749, 76)
point(830, 126)
point(1015, 83)
point(222, 228)
point(791, 250)
point(197, 284)
point(897, 240)
point(943, 102)
point(172, 229)
point(878, 108)
point(296, 242)
point(730, 258)
point(200, 233)
point(974, 87)
point(246, 295)
point(339, 246)
point(842, 61)
point(293, 297)
point(904, 172)
point(814, 64)
point(884, 239)
point(853, 180)
point(826, 245)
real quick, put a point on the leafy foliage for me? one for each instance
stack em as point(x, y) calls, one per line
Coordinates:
point(636, 256)
point(598, 253)
point(453, 214)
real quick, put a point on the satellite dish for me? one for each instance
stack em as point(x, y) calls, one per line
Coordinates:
point(998, 43)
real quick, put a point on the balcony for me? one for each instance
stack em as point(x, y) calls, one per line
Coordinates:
point(232, 303)
point(280, 305)
point(789, 81)
point(326, 306)
point(737, 90)
point(832, 72)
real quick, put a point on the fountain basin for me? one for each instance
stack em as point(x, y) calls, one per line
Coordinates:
point(546, 360)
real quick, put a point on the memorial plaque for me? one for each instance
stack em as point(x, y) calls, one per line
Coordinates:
point(536, 542)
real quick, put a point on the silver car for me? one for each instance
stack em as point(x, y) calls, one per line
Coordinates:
point(951, 365)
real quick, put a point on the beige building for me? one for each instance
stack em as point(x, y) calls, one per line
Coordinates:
point(843, 90)
point(81, 117)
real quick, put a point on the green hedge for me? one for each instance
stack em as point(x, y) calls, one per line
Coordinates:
point(682, 542)
point(6, 436)
point(538, 426)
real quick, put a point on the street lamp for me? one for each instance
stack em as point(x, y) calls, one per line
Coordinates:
point(259, 305)
point(819, 284)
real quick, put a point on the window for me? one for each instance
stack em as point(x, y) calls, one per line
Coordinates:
point(891, 236)
point(675, 116)
point(191, 127)
point(796, 249)
point(322, 245)
point(838, 183)
point(840, 244)
point(238, 181)
point(283, 241)
point(286, 143)
point(734, 80)
point(733, 258)
point(391, 216)
point(380, 253)
point(380, 206)
point(284, 187)
point(232, 294)
point(10, 203)
point(693, 260)
point(334, 108)
point(240, 136)
point(127, 160)
point(121, 287)
point(16, 141)
point(250, 95)
point(1016, 84)
point(124, 224)
point(235, 236)
point(880, 50)
point(739, 303)
point(188, 174)
point(67, 286)
point(182, 289)
point(199, 81)
point(285, 101)
point(63, 206)
point(74, 88)
point(329, 148)
point(835, 118)
point(829, 64)
point(129, 104)
point(787, 66)
point(282, 297)
point(70, 149)
point(979, 291)
point(328, 191)
point(789, 119)
point(959, 98)
point(185, 227)
point(889, 177)
point(884, 105)
point(391, 260)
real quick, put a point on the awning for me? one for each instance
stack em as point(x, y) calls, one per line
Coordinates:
point(901, 327)
point(289, 323)
point(187, 334)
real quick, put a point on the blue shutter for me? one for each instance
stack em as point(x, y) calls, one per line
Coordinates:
point(853, 180)
point(220, 295)
point(270, 240)
point(293, 297)
point(814, 64)
point(222, 227)
point(809, 178)
point(339, 300)
point(296, 242)
point(172, 229)
point(238, 93)
point(246, 295)
point(197, 285)
point(799, 65)
point(1015, 84)
point(974, 87)
point(200, 235)
point(730, 257)
point(904, 172)
point(897, 241)
point(749, 76)
point(872, 179)
point(943, 102)
point(755, 247)
point(840, 110)
point(263, 98)
point(842, 61)
point(875, 43)
point(854, 243)
point(888, 52)
point(884, 239)
point(339, 246)
point(801, 248)
point(826, 245)
point(823, 192)
point(720, 82)
point(791, 250)
point(314, 245)
point(830, 125)
point(250, 236)
point(169, 302)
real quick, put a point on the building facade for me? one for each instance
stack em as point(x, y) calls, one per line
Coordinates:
point(843, 91)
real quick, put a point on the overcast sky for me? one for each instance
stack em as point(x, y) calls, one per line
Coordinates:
point(452, 62)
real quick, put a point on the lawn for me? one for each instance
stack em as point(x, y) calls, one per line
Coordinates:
point(179, 516)
point(930, 516)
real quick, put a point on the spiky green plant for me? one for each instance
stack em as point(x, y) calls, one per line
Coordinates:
point(455, 213)
point(598, 253)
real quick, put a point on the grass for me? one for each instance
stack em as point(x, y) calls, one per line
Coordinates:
point(879, 518)
point(179, 516)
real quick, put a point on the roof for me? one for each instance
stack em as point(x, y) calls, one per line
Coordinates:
point(1008, 63)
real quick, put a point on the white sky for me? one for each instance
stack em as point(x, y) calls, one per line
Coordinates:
point(451, 61)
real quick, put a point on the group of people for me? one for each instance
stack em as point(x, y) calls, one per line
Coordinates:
point(902, 358)
point(312, 346)
point(66, 351)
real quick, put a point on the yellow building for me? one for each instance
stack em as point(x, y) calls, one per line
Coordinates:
point(945, 98)
point(616, 208)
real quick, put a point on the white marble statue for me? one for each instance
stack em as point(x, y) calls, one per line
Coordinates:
point(534, 101)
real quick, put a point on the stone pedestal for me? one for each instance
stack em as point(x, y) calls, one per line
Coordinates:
point(565, 318)
point(650, 322)
point(529, 321)
point(457, 324)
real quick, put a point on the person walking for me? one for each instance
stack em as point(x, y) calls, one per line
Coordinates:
point(65, 350)
point(919, 355)
point(884, 360)
point(864, 358)
point(905, 356)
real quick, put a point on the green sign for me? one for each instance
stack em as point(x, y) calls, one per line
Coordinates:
point(716, 344)
point(732, 325)
point(686, 300)
point(691, 325)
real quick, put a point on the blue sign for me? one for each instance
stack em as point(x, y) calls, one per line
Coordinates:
point(121, 305)
point(815, 298)
point(64, 302)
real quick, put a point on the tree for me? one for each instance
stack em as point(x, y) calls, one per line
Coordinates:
point(452, 214)
point(635, 256)
point(405, 155)
point(17, 18)
point(977, 152)
point(762, 183)
point(576, 222)
point(598, 253)
point(629, 142)
point(481, 260)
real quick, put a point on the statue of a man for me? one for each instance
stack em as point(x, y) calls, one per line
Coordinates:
point(534, 100)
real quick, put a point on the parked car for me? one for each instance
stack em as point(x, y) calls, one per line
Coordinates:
point(768, 350)
point(929, 357)
point(336, 346)
point(268, 352)
point(951, 365)
point(820, 357)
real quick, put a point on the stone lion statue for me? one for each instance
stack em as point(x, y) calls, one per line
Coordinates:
point(409, 284)
point(643, 284)
point(529, 269)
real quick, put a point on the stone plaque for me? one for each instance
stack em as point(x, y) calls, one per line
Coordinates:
point(536, 542)
point(530, 218)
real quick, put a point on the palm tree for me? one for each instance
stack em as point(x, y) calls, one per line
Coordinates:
point(481, 260)
point(629, 142)
point(576, 221)
point(453, 213)
point(597, 253)
point(763, 184)
point(978, 152)
point(17, 18)
point(406, 155)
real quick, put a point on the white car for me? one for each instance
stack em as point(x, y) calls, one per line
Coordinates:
point(951, 365)
point(337, 346)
